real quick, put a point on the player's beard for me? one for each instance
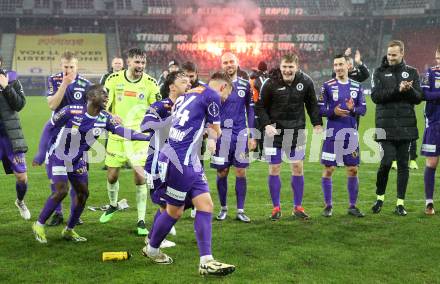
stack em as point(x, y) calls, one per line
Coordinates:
point(137, 72)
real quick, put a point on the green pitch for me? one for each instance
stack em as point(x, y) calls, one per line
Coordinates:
point(341, 249)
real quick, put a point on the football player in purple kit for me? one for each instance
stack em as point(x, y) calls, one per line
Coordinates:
point(280, 109)
point(185, 181)
point(63, 89)
point(157, 121)
point(341, 101)
point(12, 143)
point(431, 137)
point(74, 130)
point(237, 114)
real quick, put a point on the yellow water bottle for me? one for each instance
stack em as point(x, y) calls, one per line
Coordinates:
point(115, 255)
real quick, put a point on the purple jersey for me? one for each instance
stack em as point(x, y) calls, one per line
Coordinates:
point(431, 91)
point(156, 122)
point(199, 106)
point(237, 107)
point(74, 131)
point(75, 93)
point(334, 93)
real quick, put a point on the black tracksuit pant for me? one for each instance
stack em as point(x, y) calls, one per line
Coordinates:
point(399, 150)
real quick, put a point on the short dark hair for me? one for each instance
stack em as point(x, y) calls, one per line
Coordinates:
point(68, 55)
point(189, 66)
point(171, 78)
point(398, 43)
point(93, 90)
point(341, 55)
point(290, 58)
point(133, 52)
point(221, 76)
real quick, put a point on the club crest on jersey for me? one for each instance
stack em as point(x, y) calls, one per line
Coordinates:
point(353, 94)
point(241, 93)
point(300, 87)
point(141, 96)
point(405, 75)
point(96, 131)
point(120, 97)
point(335, 95)
point(77, 95)
point(213, 109)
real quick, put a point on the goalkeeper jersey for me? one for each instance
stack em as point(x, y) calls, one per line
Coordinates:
point(130, 100)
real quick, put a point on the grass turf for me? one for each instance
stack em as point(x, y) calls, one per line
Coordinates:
point(375, 249)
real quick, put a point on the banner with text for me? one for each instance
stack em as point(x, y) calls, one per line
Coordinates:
point(41, 54)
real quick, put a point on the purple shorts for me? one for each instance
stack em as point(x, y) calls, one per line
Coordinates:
point(431, 141)
point(231, 152)
point(336, 157)
point(60, 171)
point(180, 188)
point(274, 155)
point(12, 162)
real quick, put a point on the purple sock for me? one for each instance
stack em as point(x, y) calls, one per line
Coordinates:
point(203, 231)
point(59, 208)
point(21, 189)
point(429, 182)
point(297, 183)
point(327, 188)
point(162, 227)
point(44, 141)
point(75, 213)
point(222, 188)
point(48, 209)
point(275, 188)
point(240, 191)
point(154, 221)
point(353, 189)
point(73, 201)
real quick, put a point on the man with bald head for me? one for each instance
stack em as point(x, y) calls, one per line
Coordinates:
point(237, 122)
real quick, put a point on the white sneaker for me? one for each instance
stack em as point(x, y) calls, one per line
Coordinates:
point(24, 211)
point(217, 268)
point(160, 258)
point(173, 231)
point(193, 213)
point(164, 244)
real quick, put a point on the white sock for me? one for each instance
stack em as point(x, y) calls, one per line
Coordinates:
point(152, 251)
point(240, 210)
point(206, 258)
point(113, 190)
point(225, 208)
point(429, 201)
point(39, 224)
point(141, 201)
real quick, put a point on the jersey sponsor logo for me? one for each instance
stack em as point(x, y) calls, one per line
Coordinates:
point(213, 109)
point(335, 94)
point(81, 83)
point(405, 75)
point(300, 87)
point(130, 94)
point(437, 84)
point(77, 95)
point(241, 93)
point(355, 84)
point(241, 82)
point(76, 111)
point(176, 134)
point(353, 94)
